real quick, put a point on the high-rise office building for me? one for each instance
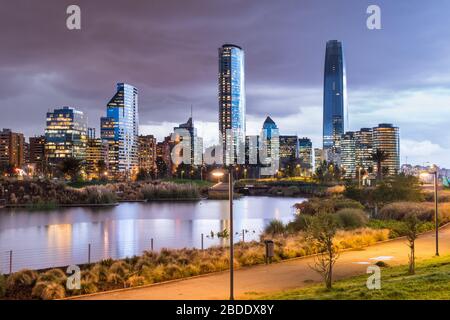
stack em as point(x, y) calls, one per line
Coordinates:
point(319, 157)
point(269, 146)
point(305, 154)
point(65, 135)
point(189, 132)
point(96, 166)
point(288, 150)
point(364, 146)
point(37, 153)
point(120, 129)
point(348, 154)
point(386, 137)
point(147, 153)
point(334, 98)
point(163, 157)
point(232, 102)
point(12, 149)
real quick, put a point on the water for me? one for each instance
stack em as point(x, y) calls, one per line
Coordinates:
point(62, 237)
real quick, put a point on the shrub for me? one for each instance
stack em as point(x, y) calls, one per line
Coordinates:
point(23, 278)
point(275, 227)
point(53, 291)
point(38, 288)
point(53, 275)
point(300, 223)
point(90, 276)
point(120, 267)
point(99, 195)
point(351, 218)
point(2, 286)
point(169, 190)
point(316, 205)
point(400, 210)
point(115, 278)
point(100, 271)
point(135, 281)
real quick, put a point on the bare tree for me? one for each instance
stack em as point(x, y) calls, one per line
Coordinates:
point(412, 233)
point(321, 231)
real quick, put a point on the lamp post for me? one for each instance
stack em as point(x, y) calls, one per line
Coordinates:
point(221, 173)
point(436, 215)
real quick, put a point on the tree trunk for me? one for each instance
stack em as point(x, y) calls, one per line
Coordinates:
point(412, 260)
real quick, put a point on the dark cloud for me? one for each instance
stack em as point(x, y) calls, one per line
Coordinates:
point(168, 49)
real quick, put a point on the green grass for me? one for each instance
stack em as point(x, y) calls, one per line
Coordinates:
point(431, 282)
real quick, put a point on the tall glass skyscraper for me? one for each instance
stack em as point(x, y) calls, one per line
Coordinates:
point(120, 129)
point(232, 102)
point(334, 97)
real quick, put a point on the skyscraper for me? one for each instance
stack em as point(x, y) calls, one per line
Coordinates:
point(305, 153)
point(386, 137)
point(269, 146)
point(147, 153)
point(232, 102)
point(348, 154)
point(186, 130)
point(364, 146)
point(120, 129)
point(37, 153)
point(65, 135)
point(334, 98)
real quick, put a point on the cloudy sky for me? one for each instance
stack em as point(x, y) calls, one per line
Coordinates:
point(168, 49)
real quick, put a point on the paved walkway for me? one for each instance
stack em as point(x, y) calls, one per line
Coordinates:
point(257, 280)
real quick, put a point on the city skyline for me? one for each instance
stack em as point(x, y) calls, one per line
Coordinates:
point(382, 86)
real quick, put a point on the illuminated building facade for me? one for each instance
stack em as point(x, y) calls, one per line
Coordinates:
point(364, 148)
point(12, 149)
point(232, 102)
point(334, 98)
point(147, 153)
point(119, 130)
point(65, 135)
point(348, 154)
point(37, 153)
point(305, 153)
point(386, 137)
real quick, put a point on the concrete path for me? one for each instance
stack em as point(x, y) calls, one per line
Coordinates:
point(253, 281)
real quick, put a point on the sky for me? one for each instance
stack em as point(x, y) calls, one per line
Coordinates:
point(168, 50)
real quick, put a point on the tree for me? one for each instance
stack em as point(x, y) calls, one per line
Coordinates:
point(71, 167)
point(321, 231)
point(412, 233)
point(379, 156)
point(143, 175)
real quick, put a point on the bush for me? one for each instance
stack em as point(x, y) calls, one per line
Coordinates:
point(53, 275)
point(169, 190)
point(351, 218)
point(53, 291)
point(400, 210)
point(23, 278)
point(135, 281)
point(275, 227)
point(316, 205)
point(2, 286)
point(300, 223)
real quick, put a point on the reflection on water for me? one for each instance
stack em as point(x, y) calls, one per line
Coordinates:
point(56, 238)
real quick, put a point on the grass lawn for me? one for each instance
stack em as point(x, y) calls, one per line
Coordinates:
point(431, 282)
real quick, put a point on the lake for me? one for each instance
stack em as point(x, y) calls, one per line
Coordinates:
point(42, 239)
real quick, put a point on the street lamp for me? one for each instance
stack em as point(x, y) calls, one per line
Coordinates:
point(221, 173)
point(436, 216)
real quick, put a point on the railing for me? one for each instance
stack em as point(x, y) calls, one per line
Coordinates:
point(61, 256)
